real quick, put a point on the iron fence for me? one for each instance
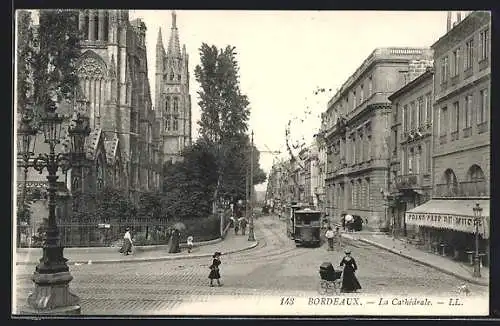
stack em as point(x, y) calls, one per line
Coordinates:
point(96, 234)
point(110, 234)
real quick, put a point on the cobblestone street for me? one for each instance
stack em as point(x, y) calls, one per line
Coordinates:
point(274, 267)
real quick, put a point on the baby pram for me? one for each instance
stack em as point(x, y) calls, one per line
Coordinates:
point(331, 281)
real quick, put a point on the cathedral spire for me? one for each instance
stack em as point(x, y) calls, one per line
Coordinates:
point(159, 42)
point(174, 49)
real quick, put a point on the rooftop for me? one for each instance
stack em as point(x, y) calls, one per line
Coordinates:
point(394, 53)
point(424, 76)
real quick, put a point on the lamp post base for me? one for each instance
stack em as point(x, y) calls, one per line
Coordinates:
point(52, 296)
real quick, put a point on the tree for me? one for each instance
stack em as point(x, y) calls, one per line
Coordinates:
point(189, 184)
point(25, 52)
point(224, 116)
point(48, 54)
point(150, 208)
point(114, 205)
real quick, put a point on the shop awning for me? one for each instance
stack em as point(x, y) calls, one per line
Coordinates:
point(450, 214)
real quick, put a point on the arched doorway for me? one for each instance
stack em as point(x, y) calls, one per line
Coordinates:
point(475, 184)
point(450, 183)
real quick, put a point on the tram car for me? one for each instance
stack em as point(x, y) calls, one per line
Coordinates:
point(291, 219)
point(307, 224)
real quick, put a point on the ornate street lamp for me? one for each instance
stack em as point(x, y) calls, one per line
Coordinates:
point(26, 139)
point(477, 220)
point(52, 276)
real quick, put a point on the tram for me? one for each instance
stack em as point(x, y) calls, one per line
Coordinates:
point(291, 218)
point(307, 223)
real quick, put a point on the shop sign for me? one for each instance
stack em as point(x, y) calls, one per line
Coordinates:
point(446, 221)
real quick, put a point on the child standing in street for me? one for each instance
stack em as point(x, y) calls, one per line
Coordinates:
point(214, 269)
point(190, 243)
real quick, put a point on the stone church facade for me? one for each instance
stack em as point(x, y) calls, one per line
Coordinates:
point(173, 102)
point(123, 150)
point(113, 78)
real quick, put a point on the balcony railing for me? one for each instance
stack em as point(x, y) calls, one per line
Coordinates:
point(412, 181)
point(407, 181)
point(476, 188)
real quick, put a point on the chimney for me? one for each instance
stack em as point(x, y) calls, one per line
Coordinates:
point(448, 22)
point(459, 17)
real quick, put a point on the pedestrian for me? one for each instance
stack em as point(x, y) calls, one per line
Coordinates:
point(173, 242)
point(127, 243)
point(337, 238)
point(236, 226)
point(349, 281)
point(214, 269)
point(190, 243)
point(243, 224)
point(329, 237)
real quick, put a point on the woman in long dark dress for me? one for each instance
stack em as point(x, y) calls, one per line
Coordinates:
point(214, 269)
point(349, 281)
point(173, 243)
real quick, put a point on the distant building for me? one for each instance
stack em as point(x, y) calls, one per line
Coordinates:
point(461, 137)
point(172, 99)
point(357, 132)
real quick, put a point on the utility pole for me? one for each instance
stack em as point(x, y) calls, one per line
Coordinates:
point(246, 189)
point(251, 236)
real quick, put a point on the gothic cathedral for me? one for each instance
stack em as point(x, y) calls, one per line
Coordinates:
point(113, 74)
point(173, 102)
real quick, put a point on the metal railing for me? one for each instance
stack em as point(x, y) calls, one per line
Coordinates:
point(475, 188)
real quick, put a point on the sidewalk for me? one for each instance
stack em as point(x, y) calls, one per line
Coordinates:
point(104, 255)
point(446, 265)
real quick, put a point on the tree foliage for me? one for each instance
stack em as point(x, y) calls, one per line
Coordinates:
point(151, 206)
point(224, 109)
point(114, 205)
point(47, 58)
point(224, 121)
point(189, 184)
point(25, 52)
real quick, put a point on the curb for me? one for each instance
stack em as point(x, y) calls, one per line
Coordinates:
point(138, 248)
point(153, 259)
point(421, 261)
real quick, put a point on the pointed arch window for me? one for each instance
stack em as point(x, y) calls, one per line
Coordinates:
point(75, 184)
point(176, 105)
point(175, 123)
point(167, 122)
point(118, 174)
point(175, 114)
point(100, 173)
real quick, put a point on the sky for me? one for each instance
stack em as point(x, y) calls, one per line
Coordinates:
point(284, 56)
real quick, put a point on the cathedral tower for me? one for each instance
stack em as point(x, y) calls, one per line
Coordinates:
point(173, 102)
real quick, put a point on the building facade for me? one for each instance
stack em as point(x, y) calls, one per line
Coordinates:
point(411, 149)
point(173, 102)
point(305, 176)
point(357, 133)
point(461, 140)
point(112, 71)
point(121, 151)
